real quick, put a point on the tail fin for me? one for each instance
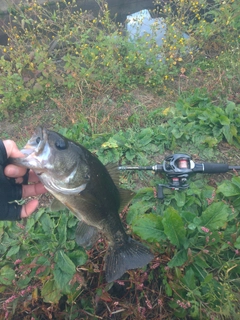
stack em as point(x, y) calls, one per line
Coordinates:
point(121, 258)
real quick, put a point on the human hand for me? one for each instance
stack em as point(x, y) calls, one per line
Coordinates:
point(11, 191)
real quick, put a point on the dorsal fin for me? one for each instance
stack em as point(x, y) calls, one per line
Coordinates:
point(112, 169)
point(125, 195)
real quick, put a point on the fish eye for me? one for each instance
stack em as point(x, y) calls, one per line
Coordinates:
point(38, 140)
point(61, 144)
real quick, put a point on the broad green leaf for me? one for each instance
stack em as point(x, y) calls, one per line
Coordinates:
point(237, 243)
point(79, 257)
point(224, 120)
point(215, 216)
point(50, 292)
point(111, 143)
point(189, 279)
point(179, 259)
point(64, 262)
point(174, 227)
point(23, 282)
point(236, 181)
point(228, 189)
point(72, 221)
point(210, 141)
point(136, 209)
point(7, 275)
point(13, 250)
point(62, 229)
point(188, 216)
point(230, 107)
point(177, 133)
point(180, 198)
point(229, 132)
point(207, 279)
point(62, 279)
point(47, 223)
point(200, 261)
point(149, 227)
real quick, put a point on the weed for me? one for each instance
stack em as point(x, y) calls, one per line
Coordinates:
point(128, 102)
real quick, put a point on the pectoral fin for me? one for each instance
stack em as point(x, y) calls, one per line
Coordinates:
point(56, 206)
point(86, 235)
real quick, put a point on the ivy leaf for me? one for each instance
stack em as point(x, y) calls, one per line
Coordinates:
point(174, 227)
point(149, 227)
point(215, 216)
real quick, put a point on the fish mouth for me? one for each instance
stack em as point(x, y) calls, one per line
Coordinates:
point(33, 150)
point(36, 144)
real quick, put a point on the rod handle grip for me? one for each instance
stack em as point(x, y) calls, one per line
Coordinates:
point(215, 167)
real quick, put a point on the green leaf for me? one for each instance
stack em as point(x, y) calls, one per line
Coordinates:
point(13, 250)
point(79, 257)
point(7, 275)
point(200, 261)
point(215, 216)
point(180, 197)
point(224, 120)
point(237, 243)
point(210, 141)
point(50, 292)
point(62, 279)
point(179, 259)
point(230, 108)
point(149, 227)
point(174, 227)
point(136, 209)
point(62, 229)
point(189, 279)
point(236, 182)
point(228, 189)
point(47, 223)
point(64, 262)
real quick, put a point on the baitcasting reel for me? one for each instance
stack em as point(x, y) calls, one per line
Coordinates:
point(178, 167)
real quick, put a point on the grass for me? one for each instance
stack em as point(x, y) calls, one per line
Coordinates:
point(78, 75)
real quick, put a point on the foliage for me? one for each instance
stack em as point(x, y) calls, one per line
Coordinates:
point(70, 50)
point(68, 54)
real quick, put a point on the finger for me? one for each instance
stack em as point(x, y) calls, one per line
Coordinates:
point(13, 171)
point(12, 149)
point(29, 208)
point(32, 190)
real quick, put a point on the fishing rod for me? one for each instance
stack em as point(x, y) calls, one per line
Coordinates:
point(178, 167)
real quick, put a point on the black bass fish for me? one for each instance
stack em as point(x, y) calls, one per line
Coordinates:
point(75, 177)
